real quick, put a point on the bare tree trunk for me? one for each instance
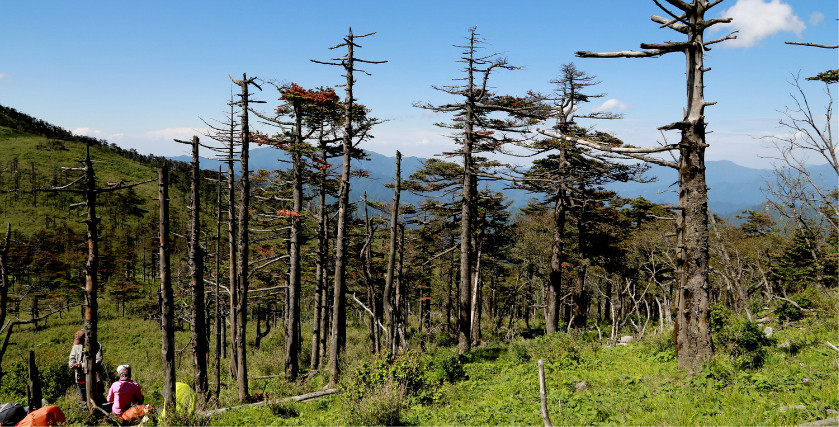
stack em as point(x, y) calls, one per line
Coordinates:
point(475, 315)
point(33, 389)
point(4, 285)
point(292, 343)
point(196, 264)
point(389, 307)
point(167, 299)
point(91, 315)
point(240, 331)
point(554, 291)
point(464, 325)
point(233, 261)
point(319, 317)
point(219, 323)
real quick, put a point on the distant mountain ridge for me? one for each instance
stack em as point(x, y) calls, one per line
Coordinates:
point(732, 188)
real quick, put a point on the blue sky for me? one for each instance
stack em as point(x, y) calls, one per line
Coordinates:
point(141, 73)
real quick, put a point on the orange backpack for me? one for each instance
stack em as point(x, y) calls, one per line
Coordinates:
point(136, 412)
point(47, 416)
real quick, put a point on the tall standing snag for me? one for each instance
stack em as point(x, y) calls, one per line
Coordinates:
point(89, 190)
point(200, 336)
point(167, 305)
point(339, 321)
point(691, 332)
point(241, 309)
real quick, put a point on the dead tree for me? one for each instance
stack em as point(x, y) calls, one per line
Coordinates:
point(33, 389)
point(200, 344)
point(86, 186)
point(391, 310)
point(243, 244)
point(226, 133)
point(167, 304)
point(692, 333)
point(339, 321)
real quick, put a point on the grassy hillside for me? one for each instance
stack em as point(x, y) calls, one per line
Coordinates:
point(588, 383)
point(35, 162)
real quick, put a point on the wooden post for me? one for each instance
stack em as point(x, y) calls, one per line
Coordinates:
point(33, 390)
point(543, 394)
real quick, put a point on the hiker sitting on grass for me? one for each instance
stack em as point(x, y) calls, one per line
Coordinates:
point(124, 392)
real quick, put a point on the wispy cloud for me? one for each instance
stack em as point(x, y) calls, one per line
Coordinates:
point(2, 75)
point(96, 133)
point(610, 105)
point(757, 19)
point(816, 18)
point(172, 133)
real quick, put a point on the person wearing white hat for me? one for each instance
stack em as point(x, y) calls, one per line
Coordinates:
point(124, 392)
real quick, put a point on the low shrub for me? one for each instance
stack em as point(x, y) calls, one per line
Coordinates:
point(720, 317)
point(55, 379)
point(407, 373)
point(382, 408)
point(447, 366)
point(746, 343)
point(284, 409)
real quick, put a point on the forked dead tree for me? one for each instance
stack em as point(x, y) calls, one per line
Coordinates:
point(167, 304)
point(86, 186)
point(200, 336)
point(692, 333)
point(339, 320)
point(243, 247)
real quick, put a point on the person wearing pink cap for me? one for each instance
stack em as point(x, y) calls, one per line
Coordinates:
point(124, 392)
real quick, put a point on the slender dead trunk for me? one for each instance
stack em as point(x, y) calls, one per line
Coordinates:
point(167, 299)
point(219, 323)
point(339, 318)
point(91, 315)
point(318, 318)
point(389, 307)
point(240, 331)
point(196, 266)
point(292, 344)
point(233, 261)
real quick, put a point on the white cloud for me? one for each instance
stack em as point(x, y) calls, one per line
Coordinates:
point(96, 133)
point(173, 133)
point(757, 19)
point(816, 18)
point(2, 75)
point(87, 132)
point(610, 105)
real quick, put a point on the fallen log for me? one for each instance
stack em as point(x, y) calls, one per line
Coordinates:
point(299, 398)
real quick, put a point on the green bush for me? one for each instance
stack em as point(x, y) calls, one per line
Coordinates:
point(746, 343)
point(284, 409)
point(448, 366)
point(517, 352)
point(407, 373)
point(716, 372)
point(383, 408)
point(720, 317)
point(55, 379)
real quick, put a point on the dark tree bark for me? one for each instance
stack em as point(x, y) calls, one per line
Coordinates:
point(319, 316)
point(167, 306)
point(292, 343)
point(691, 332)
point(219, 322)
point(339, 319)
point(388, 305)
point(33, 389)
point(200, 344)
point(243, 243)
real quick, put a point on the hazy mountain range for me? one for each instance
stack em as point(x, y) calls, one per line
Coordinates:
point(732, 188)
